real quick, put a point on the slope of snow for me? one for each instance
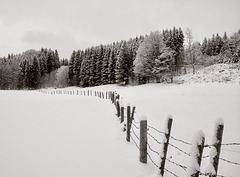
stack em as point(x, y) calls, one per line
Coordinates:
point(73, 135)
point(215, 73)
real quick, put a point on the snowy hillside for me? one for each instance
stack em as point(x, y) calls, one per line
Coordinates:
point(73, 135)
point(214, 73)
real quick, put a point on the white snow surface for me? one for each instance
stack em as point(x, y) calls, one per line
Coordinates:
point(218, 73)
point(142, 117)
point(72, 135)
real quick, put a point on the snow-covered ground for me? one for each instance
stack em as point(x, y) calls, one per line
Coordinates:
point(228, 73)
point(73, 135)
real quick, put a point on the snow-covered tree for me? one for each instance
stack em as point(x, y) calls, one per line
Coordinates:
point(149, 50)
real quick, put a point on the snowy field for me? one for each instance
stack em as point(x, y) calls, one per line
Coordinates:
point(45, 135)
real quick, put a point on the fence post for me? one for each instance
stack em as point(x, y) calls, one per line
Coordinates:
point(215, 149)
point(118, 109)
point(143, 140)
point(133, 111)
point(193, 169)
point(128, 124)
point(165, 141)
point(122, 114)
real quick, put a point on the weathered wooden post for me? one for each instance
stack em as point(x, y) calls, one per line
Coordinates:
point(128, 124)
point(143, 139)
point(122, 114)
point(215, 149)
point(118, 109)
point(112, 97)
point(163, 153)
point(196, 152)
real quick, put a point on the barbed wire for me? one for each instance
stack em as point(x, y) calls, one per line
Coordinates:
point(179, 140)
point(207, 174)
point(150, 158)
point(224, 144)
point(154, 138)
point(161, 132)
point(170, 172)
point(235, 163)
point(135, 133)
point(206, 156)
point(230, 144)
point(230, 150)
point(152, 149)
point(179, 149)
point(134, 141)
point(135, 125)
point(179, 165)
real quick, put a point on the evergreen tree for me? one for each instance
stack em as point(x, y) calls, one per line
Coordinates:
point(174, 40)
point(92, 68)
point(164, 65)
point(71, 69)
point(84, 72)
point(76, 68)
point(112, 66)
point(35, 74)
point(122, 67)
point(105, 63)
point(204, 46)
point(149, 50)
point(99, 58)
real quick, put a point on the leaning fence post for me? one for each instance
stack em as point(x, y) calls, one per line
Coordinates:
point(165, 141)
point(128, 124)
point(215, 149)
point(133, 111)
point(143, 139)
point(196, 152)
point(122, 114)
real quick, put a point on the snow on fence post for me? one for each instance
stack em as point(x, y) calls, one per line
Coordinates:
point(215, 149)
point(118, 108)
point(163, 153)
point(128, 124)
point(196, 152)
point(143, 139)
point(122, 114)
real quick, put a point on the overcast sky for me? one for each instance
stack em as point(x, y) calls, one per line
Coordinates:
point(68, 25)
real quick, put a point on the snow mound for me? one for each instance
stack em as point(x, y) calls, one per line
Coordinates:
point(214, 73)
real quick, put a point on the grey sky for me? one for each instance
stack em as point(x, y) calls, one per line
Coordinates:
point(77, 24)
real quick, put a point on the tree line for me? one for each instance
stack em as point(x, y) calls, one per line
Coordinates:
point(27, 70)
point(140, 60)
point(155, 57)
point(217, 49)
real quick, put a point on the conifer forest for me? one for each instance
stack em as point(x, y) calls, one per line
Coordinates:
point(155, 57)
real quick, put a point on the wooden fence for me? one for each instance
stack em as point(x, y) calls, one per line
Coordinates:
point(143, 146)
